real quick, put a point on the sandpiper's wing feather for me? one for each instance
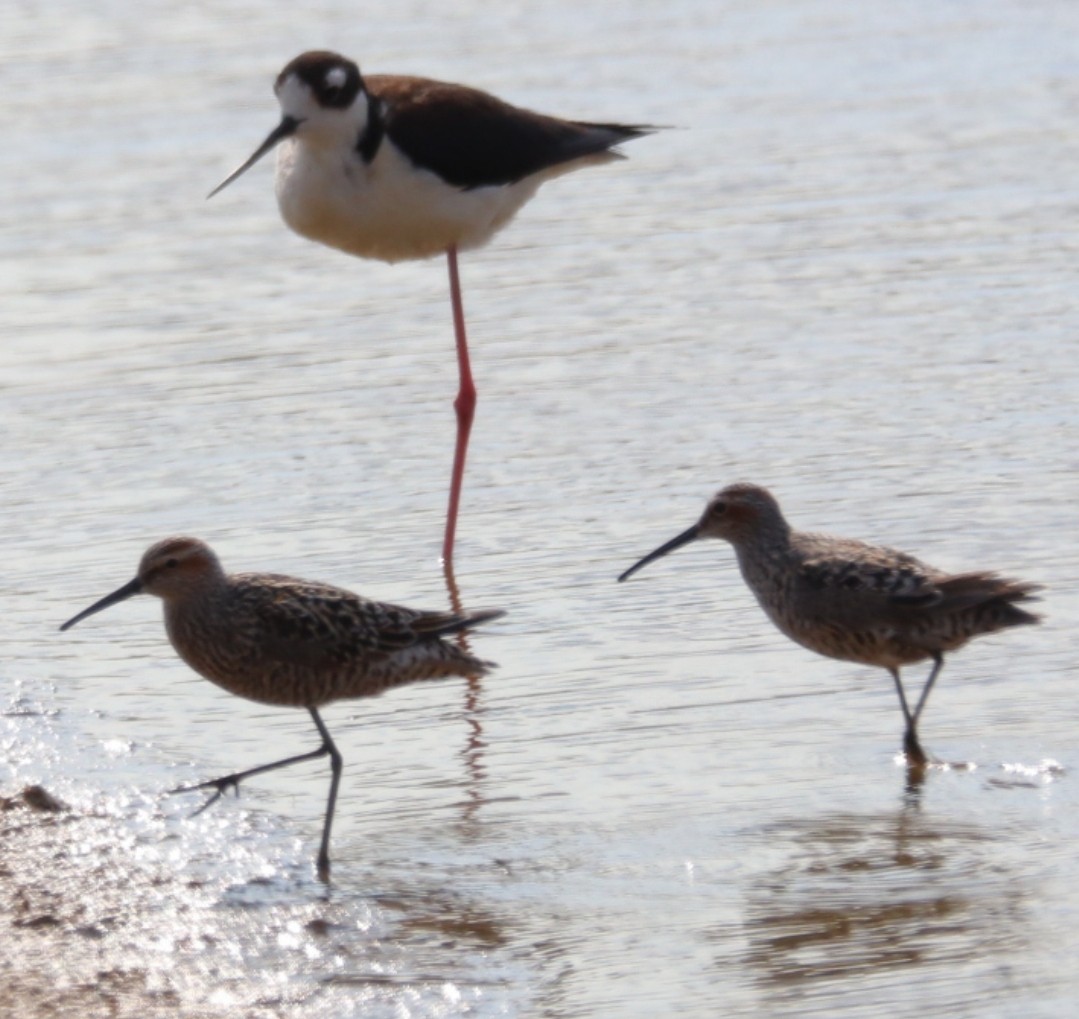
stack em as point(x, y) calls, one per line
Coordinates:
point(863, 583)
point(441, 624)
point(472, 139)
point(320, 624)
point(400, 627)
point(845, 565)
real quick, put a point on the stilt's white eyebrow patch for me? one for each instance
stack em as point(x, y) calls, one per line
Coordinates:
point(336, 77)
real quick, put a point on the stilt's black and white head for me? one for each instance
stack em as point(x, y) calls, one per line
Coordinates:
point(322, 99)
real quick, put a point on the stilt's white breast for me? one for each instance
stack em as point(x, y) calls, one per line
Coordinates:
point(388, 209)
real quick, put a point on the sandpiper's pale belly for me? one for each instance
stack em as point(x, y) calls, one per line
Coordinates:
point(849, 635)
point(881, 646)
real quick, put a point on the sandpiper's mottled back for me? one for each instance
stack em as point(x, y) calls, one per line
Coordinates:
point(850, 600)
point(297, 643)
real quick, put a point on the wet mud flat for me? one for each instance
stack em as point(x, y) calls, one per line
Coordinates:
point(63, 913)
point(95, 920)
point(75, 922)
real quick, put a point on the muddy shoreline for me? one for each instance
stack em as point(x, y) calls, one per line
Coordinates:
point(93, 928)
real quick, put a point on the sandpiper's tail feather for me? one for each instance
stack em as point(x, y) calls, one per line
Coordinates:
point(990, 593)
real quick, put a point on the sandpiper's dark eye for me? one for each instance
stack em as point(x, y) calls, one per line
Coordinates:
point(719, 508)
point(172, 563)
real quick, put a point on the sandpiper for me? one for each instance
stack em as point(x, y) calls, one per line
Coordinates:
point(296, 643)
point(395, 167)
point(856, 602)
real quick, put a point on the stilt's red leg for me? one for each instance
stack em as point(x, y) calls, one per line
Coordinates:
point(464, 405)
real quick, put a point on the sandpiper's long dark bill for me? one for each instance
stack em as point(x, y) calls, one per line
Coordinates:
point(853, 601)
point(294, 643)
point(395, 167)
point(131, 588)
point(688, 535)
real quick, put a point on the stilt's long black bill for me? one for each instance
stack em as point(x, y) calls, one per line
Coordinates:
point(287, 126)
point(683, 539)
point(132, 587)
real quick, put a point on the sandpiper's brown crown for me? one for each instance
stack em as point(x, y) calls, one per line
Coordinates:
point(172, 565)
point(740, 511)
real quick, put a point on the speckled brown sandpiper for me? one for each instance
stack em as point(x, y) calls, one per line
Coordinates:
point(297, 643)
point(853, 601)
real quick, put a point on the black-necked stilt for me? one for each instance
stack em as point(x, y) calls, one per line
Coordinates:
point(395, 167)
point(856, 602)
point(293, 643)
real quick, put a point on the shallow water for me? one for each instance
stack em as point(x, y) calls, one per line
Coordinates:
point(847, 272)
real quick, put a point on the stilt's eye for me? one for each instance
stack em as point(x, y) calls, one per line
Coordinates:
point(333, 84)
point(172, 563)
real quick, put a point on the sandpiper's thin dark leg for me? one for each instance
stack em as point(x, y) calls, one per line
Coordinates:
point(902, 699)
point(911, 747)
point(464, 405)
point(938, 661)
point(336, 763)
point(233, 781)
